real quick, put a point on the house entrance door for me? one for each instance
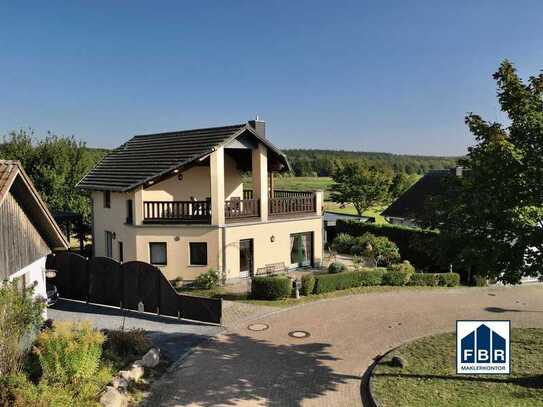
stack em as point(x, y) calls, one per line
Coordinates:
point(246, 257)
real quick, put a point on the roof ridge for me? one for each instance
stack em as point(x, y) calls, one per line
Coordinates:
point(189, 130)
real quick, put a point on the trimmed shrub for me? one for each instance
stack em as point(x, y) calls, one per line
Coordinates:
point(271, 288)
point(404, 266)
point(69, 352)
point(371, 277)
point(449, 279)
point(343, 243)
point(207, 280)
point(395, 278)
point(414, 244)
point(337, 267)
point(325, 283)
point(308, 284)
point(424, 279)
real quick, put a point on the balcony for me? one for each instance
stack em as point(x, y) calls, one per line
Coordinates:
point(280, 204)
point(177, 212)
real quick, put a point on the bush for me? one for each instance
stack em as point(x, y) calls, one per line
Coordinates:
point(20, 319)
point(207, 280)
point(413, 243)
point(424, 279)
point(69, 353)
point(395, 278)
point(271, 288)
point(371, 277)
point(379, 248)
point(343, 243)
point(337, 267)
point(449, 279)
point(325, 283)
point(124, 344)
point(308, 284)
point(17, 391)
point(404, 266)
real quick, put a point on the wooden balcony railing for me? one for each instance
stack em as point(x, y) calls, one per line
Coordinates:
point(291, 194)
point(242, 208)
point(292, 205)
point(177, 211)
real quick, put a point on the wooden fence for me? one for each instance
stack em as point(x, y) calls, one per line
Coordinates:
point(130, 285)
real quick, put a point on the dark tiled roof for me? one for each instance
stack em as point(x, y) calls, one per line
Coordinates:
point(146, 157)
point(413, 200)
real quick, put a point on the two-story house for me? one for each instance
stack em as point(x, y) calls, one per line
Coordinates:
point(177, 200)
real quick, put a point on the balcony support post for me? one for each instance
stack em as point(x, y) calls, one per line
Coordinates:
point(216, 168)
point(260, 178)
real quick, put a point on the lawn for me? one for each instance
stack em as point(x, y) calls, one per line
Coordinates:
point(223, 293)
point(349, 209)
point(429, 378)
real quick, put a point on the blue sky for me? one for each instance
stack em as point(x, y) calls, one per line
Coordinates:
point(394, 76)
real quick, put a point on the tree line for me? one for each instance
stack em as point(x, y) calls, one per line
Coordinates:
point(321, 163)
point(55, 164)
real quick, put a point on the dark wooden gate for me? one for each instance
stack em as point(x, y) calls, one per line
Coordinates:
point(102, 280)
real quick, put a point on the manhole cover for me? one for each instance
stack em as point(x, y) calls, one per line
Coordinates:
point(258, 327)
point(299, 334)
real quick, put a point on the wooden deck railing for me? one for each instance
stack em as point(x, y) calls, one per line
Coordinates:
point(292, 205)
point(242, 208)
point(176, 211)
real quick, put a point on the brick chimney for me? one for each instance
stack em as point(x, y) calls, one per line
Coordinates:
point(259, 126)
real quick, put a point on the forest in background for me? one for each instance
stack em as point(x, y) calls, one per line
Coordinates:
point(320, 163)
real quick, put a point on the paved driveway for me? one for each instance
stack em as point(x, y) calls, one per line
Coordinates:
point(172, 336)
point(269, 368)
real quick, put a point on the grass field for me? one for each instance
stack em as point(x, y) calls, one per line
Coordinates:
point(430, 379)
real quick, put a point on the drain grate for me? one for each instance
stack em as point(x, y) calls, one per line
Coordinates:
point(258, 327)
point(299, 334)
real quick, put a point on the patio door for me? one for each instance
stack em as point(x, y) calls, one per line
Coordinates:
point(246, 261)
point(301, 249)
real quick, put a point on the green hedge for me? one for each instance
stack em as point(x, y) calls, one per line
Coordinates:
point(325, 283)
point(435, 279)
point(395, 278)
point(271, 288)
point(449, 279)
point(308, 284)
point(424, 279)
point(371, 277)
point(414, 244)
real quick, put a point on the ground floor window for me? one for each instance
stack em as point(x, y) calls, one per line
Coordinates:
point(109, 244)
point(301, 249)
point(198, 254)
point(157, 253)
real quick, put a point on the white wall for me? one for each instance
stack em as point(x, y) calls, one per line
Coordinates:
point(34, 274)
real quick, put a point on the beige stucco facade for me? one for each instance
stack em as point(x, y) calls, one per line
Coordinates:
point(218, 179)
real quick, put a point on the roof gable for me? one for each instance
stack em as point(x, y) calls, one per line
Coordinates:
point(413, 200)
point(14, 180)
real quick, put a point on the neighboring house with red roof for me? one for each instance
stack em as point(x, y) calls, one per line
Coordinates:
point(28, 232)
